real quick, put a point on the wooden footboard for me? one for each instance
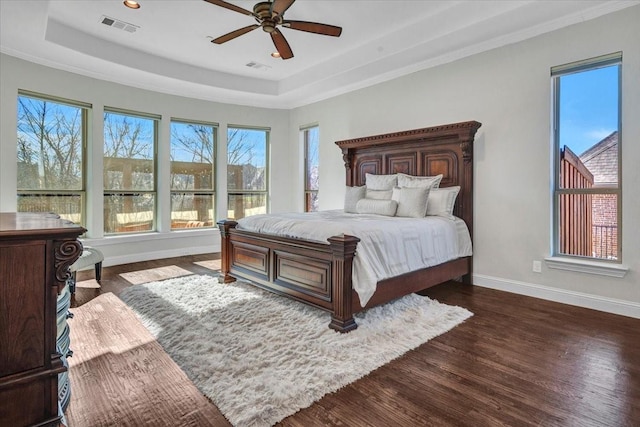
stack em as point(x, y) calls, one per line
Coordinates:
point(315, 273)
point(318, 274)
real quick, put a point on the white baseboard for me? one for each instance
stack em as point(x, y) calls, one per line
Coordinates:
point(149, 256)
point(595, 302)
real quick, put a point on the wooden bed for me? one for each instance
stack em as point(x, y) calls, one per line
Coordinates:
point(320, 274)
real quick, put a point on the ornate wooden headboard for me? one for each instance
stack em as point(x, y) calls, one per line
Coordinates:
point(446, 150)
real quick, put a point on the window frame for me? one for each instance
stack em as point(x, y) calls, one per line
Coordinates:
point(156, 126)
point(265, 192)
point(85, 109)
point(556, 73)
point(308, 192)
point(196, 192)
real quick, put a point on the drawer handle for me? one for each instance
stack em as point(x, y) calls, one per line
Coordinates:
point(69, 353)
point(70, 315)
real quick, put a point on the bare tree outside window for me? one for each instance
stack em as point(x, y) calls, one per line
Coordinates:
point(247, 171)
point(311, 164)
point(129, 173)
point(192, 175)
point(50, 142)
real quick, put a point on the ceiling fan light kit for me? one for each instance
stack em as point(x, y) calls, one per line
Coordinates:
point(131, 4)
point(269, 15)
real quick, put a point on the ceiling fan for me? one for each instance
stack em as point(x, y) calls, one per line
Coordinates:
point(269, 15)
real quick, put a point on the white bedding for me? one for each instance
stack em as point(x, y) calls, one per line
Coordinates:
point(389, 246)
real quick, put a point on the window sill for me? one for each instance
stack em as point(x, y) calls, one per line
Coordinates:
point(589, 267)
point(117, 239)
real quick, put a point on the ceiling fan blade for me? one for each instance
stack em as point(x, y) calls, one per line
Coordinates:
point(313, 27)
point(281, 45)
point(281, 6)
point(230, 6)
point(233, 34)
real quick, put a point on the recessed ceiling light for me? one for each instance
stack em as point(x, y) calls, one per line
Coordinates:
point(132, 4)
point(276, 54)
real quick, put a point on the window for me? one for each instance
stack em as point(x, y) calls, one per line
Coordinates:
point(587, 178)
point(129, 172)
point(247, 171)
point(51, 141)
point(192, 175)
point(311, 157)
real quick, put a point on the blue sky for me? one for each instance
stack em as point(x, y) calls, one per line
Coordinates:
point(187, 131)
point(256, 139)
point(588, 107)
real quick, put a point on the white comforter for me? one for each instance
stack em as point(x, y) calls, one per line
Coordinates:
point(389, 246)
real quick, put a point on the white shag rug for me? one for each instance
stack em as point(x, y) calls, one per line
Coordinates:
point(261, 357)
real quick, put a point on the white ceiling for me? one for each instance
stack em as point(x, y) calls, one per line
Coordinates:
point(170, 50)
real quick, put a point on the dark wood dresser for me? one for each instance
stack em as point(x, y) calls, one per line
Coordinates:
point(36, 251)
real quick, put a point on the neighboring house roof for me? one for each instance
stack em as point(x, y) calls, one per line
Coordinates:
point(602, 160)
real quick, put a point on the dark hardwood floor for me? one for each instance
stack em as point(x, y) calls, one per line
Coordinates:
point(519, 361)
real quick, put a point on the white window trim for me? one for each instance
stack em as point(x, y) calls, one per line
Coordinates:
point(570, 262)
point(586, 266)
point(214, 191)
point(304, 131)
point(267, 190)
point(86, 109)
point(156, 194)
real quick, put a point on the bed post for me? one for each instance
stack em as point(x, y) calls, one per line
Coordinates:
point(347, 157)
point(343, 249)
point(225, 226)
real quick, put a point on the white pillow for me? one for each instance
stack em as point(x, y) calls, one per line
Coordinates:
point(381, 182)
point(378, 207)
point(378, 194)
point(351, 197)
point(411, 181)
point(412, 202)
point(442, 200)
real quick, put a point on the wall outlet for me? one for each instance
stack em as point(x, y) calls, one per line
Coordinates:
point(537, 266)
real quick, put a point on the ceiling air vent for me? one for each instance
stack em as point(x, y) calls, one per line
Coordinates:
point(258, 66)
point(120, 25)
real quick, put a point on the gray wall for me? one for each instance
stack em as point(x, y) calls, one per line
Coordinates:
point(17, 74)
point(507, 89)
